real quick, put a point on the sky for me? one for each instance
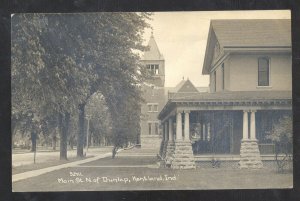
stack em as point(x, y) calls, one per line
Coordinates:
point(182, 36)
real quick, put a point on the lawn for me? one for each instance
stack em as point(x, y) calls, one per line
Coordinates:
point(106, 174)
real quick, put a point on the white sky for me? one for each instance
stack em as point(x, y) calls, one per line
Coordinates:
point(181, 38)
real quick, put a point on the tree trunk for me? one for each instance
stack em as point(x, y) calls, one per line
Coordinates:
point(71, 142)
point(64, 127)
point(80, 136)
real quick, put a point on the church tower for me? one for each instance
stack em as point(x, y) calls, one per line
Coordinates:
point(155, 63)
point(154, 96)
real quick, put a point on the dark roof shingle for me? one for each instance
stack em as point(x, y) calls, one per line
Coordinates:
point(259, 32)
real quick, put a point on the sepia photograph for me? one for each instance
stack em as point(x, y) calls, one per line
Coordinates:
point(135, 101)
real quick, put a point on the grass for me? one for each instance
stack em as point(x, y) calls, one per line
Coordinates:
point(182, 179)
point(29, 167)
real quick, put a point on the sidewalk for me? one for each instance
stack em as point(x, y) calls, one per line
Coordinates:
point(42, 156)
point(20, 159)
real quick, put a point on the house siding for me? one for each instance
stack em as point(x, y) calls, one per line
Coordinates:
point(241, 73)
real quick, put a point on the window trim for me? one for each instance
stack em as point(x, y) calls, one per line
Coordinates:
point(149, 107)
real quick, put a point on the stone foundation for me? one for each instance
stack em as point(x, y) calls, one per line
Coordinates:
point(170, 149)
point(183, 157)
point(250, 155)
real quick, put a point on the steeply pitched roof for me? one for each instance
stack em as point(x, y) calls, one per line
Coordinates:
point(183, 87)
point(259, 32)
point(178, 86)
point(186, 86)
point(153, 53)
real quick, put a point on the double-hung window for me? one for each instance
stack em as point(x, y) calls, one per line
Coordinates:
point(263, 71)
point(152, 107)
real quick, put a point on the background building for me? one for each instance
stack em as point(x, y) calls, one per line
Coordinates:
point(154, 96)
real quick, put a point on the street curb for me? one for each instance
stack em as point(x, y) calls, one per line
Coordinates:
point(34, 173)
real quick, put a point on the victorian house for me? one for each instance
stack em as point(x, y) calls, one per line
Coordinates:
point(249, 63)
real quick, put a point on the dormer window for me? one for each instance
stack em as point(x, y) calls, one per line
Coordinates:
point(153, 68)
point(263, 71)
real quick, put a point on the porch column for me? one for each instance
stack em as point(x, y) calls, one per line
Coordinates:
point(252, 126)
point(178, 126)
point(182, 157)
point(208, 131)
point(250, 155)
point(245, 125)
point(186, 125)
point(171, 136)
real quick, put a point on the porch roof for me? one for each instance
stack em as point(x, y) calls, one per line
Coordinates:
point(226, 98)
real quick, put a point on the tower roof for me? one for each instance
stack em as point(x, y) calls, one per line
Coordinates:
point(153, 53)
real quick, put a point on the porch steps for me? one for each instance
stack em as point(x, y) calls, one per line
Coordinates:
point(170, 149)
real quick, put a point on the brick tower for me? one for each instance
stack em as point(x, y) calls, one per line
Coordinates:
point(153, 93)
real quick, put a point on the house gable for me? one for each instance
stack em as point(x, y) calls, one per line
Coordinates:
point(187, 87)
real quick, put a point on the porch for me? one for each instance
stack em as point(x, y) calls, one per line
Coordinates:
point(233, 130)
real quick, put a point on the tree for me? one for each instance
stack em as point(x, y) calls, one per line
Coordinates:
point(100, 123)
point(117, 37)
point(60, 60)
point(124, 107)
point(46, 79)
point(282, 136)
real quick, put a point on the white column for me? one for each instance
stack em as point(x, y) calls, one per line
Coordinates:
point(178, 126)
point(166, 131)
point(171, 137)
point(186, 125)
point(252, 125)
point(245, 125)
